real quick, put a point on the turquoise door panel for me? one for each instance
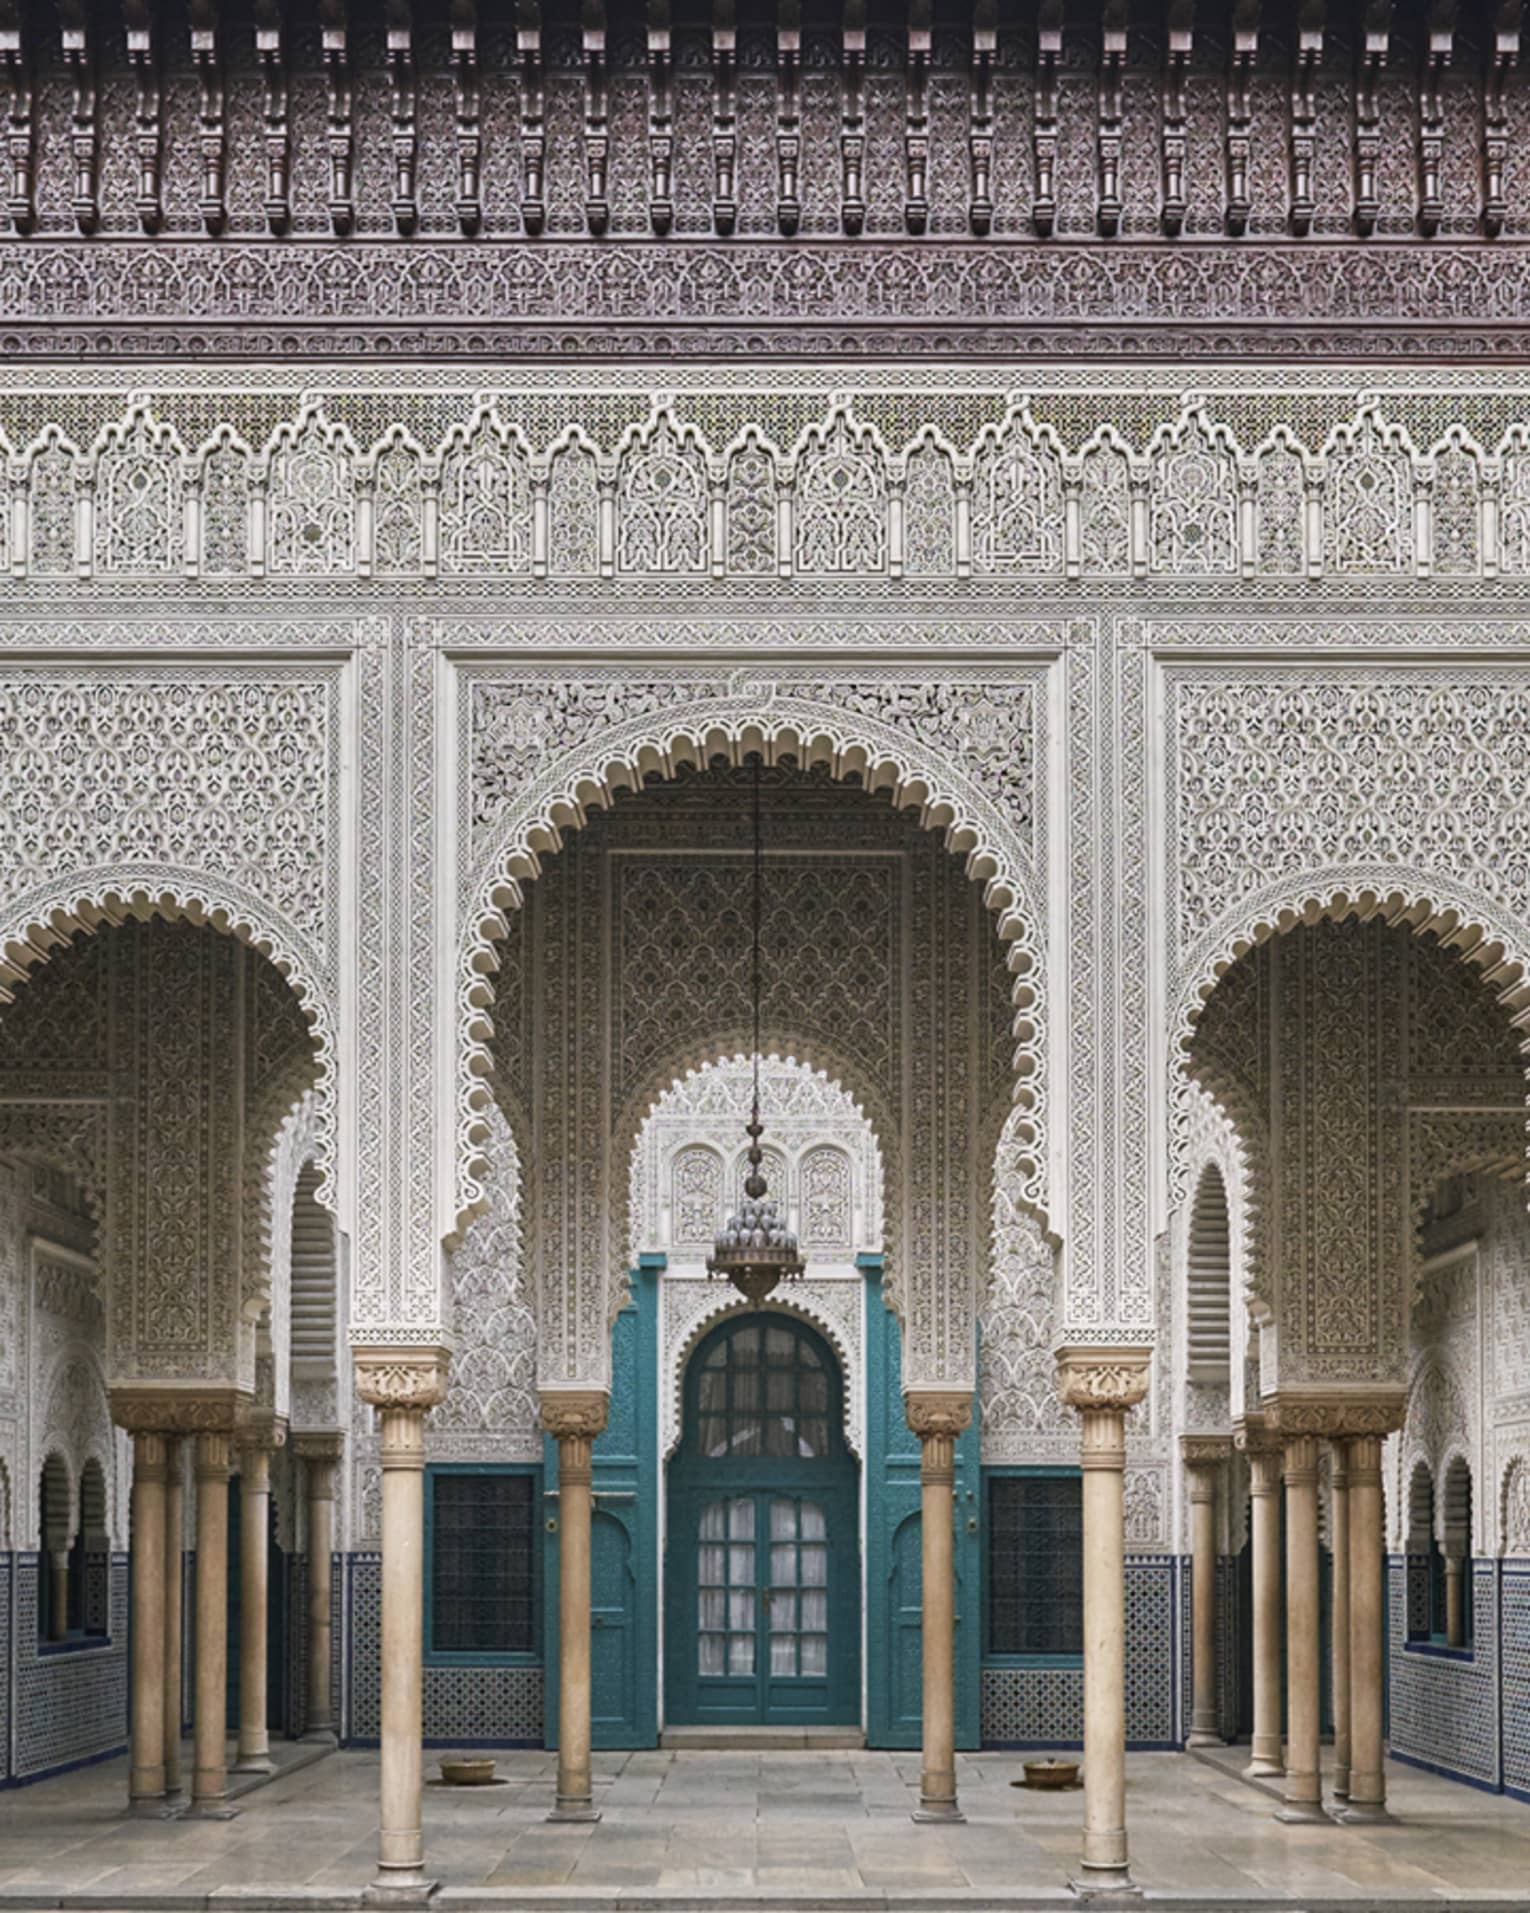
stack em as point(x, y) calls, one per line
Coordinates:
point(762, 1595)
point(624, 1540)
point(893, 1566)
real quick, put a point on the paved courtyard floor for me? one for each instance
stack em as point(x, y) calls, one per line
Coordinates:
point(806, 1830)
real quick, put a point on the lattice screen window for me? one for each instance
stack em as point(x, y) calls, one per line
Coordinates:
point(1036, 1564)
point(481, 1532)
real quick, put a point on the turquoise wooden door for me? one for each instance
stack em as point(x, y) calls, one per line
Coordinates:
point(762, 1599)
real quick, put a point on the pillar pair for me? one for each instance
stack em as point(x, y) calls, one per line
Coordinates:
point(154, 1768)
point(1359, 1777)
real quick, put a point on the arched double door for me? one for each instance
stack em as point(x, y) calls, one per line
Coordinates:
point(762, 1595)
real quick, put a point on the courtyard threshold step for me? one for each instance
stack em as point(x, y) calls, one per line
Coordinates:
point(649, 1899)
point(760, 1739)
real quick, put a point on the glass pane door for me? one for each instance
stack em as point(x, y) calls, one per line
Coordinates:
point(797, 1600)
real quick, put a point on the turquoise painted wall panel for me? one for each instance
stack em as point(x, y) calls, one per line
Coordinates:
point(624, 1537)
point(894, 1698)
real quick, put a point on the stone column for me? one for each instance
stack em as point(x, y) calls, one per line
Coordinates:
point(1204, 1457)
point(575, 1417)
point(1340, 1630)
point(146, 1770)
point(58, 1592)
point(1103, 1384)
point(1304, 1779)
point(1367, 1777)
point(403, 1384)
point(937, 1418)
point(1264, 1535)
point(254, 1751)
point(209, 1770)
point(321, 1454)
point(1455, 1606)
point(175, 1566)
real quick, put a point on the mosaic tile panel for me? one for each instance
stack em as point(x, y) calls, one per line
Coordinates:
point(1044, 1706)
point(462, 1704)
point(1514, 1636)
point(67, 1707)
point(1444, 1710)
point(1227, 1645)
point(1186, 1582)
point(6, 1567)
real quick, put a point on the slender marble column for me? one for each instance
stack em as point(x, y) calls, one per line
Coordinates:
point(146, 1770)
point(403, 1383)
point(1204, 1456)
point(938, 1419)
point(254, 1750)
point(209, 1772)
point(1103, 1384)
point(1304, 1780)
point(320, 1453)
point(1455, 1605)
point(1367, 1777)
point(175, 1534)
point(58, 1594)
point(1340, 1629)
point(575, 1417)
point(1264, 1526)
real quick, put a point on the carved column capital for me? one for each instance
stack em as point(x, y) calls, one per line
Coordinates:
point(214, 1455)
point(1300, 1461)
point(1203, 1456)
point(574, 1416)
point(937, 1417)
point(315, 1444)
point(401, 1377)
point(1110, 1379)
point(1334, 1412)
point(264, 1430)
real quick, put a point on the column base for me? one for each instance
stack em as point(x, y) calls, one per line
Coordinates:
point(1261, 1767)
point(319, 1737)
point(574, 1815)
point(1098, 1883)
point(1363, 1813)
point(254, 1764)
point(156, 1807)
point(942, 1810)
point(1302, 1813)
point(210, 1810)
point(1204, 1737)
point(1341, 1783)
point(404, 1886)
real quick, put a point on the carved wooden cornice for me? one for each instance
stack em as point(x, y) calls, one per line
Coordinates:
point(170, 1408)
point(1335, 1413)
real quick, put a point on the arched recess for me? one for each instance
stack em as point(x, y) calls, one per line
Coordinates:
point(1208, 1283)
point(42, 920)
point(780, 726)
point(1424, 903)
point(823, 1060)
point(833, 1305)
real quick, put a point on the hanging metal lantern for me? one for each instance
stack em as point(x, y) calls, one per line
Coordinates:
point(755, 1249)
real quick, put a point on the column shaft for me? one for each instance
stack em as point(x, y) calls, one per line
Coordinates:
point(209, 1773)
point(174, 1571)
point(1455, 1605)
point(1304, 1785)
point(938, 1420)
point(320, 1459)
point(1367, 1778)
point(575, 1796)
point(401, 1839)
point(1104, 1642)
point(1264, 1534)
point(1205, 1726)
point(58, 1594)
point(1340, 1629)
point(254, 1752)
point(146, 1773)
